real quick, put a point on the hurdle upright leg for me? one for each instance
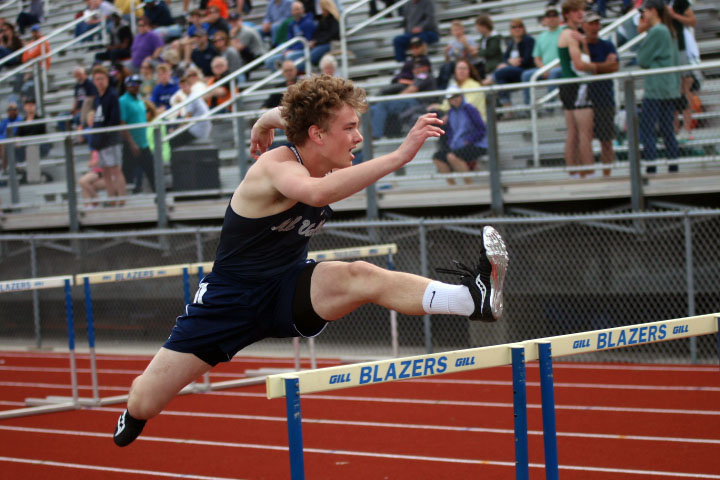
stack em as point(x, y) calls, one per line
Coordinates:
point(548, 410)
point(91, 339)
point(294, 421)
point(522, 462)
point(71, 340)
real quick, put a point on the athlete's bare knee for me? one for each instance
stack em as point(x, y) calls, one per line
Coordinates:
point(141, 403)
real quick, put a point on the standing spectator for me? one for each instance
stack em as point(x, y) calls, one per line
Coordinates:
point(197, 108)
point(95, 13)
point(12, 117)
point(457, 48)
point(83, 95)
point(465, 78)
point(302, 25)
point(602, 94)
point(147, 73)
point(574, 96)
point(164, 89)
point(221, 42)
point(245, 39)
point(516, 60)
point(404, 107)
point(121, 39)
point(10, 42)
point(42, 48)
point(418, 21)
point(684, 21)
point(658, 50)
point(214, 22)
point(161, 21)
point(137, 157)
point(91, 182)
point(146, 44)
point(276, 13)
point(203, 52)
point(165, 147)
point(107, 114)
point(465, 138)
point(545, 49)
point(487, 55)
point(291, 75)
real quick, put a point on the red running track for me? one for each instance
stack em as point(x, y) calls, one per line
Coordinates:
point(614, 422)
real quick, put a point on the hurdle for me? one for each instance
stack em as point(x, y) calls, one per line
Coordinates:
point(293, 385)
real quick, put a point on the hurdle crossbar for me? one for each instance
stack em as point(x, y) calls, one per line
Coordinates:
point(383, 371)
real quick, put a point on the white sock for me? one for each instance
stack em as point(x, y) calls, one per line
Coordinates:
point(445, 298)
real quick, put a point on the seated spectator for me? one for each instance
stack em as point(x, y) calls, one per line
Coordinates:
point(465, 78)
point(202, 53)
point(418, 21)
point(197, 87)
point(30, 109)
point(214, 22)
point(245, 39)
point(276, 13)
point(123, 7)
point(97, 10)
point(195, 22)
point(404, 107)
point(39, 50)
point(221, 42)
point(146, 43)
point(161, 21)
point(197, 108)
point(12, 117)
point(147, 74)
point(164, 89)
point(84, 93)
point(291, 76)
point(31, 13)
point(457, 48)
point(328, 29)
point(302, 25)
point(465, 138)
point(221, 94)
point(118, 73)
point(172, 58)
point(328, 65)
point(10, 42)
point(516, 59)
point(487, 54)
point(121, 39)
point(151, 112)
point(405, 76)
point(545, 49)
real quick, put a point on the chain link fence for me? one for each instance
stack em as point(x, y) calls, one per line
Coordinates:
point(566, 275)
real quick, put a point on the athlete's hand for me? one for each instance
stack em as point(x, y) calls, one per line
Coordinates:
point(427, 126)
point(260, 140)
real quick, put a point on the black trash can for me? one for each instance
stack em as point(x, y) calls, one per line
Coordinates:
point(195, 168)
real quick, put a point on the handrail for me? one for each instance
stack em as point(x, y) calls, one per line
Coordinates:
point(245, 68)
point(44, 38)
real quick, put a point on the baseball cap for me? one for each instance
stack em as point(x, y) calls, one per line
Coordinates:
point(133, 80)
point(591, 16)
point(416, 41)
point(551, 11)
point(421, 62)
point(658, 5)
point(35, 28)
point(453, 91)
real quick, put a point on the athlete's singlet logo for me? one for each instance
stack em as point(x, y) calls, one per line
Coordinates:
point(306, 228)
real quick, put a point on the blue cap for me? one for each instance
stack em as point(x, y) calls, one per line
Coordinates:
point(133, 80)
point(35, 28)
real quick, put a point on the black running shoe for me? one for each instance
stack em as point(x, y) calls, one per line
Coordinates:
point(127, 429)
point(485, 281)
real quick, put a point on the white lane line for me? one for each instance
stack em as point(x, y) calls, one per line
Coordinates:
point(103, 468)
point(361, 454)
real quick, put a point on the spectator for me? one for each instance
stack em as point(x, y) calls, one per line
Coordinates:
point(684, 21)
point(221, 42)
point(245, 39)
point(161, 21)
point(214, 22)
point(147, 73)
point(328, 29)
point(221, 94)
point(146, 43)
point(602, 95)
point(30, 109)
point(123, 7)
point(172, 58)
point(405, 77)
point(465, 78)
point(91, 182)
point(95, 13)
point(545, 49)
point(83, 95)
point(516, 60)
point(12, 117)
point(291, 75)
point(456, 49)
point(574, 96)
point(118, 73)
point(302, 25)
point(203, 52)
point(30, 15)
point(418, 21)
point(164, 89)
point(276, 13)
point(404, 107)
point(107, 114)
point(328, 65)
point(195, 22)
point(487, 55)
point(39, 50)
point(465, 138)
point(121, 39)
point(10, 42)
point(137, 157)
point(658, 50)
point(151, 114)
point(197, 108)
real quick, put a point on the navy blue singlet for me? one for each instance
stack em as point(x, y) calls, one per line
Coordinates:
point(267, 246)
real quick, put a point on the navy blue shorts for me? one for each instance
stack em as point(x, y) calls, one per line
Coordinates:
point(227, 315)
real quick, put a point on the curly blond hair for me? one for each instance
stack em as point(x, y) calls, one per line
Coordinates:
point(313, 101)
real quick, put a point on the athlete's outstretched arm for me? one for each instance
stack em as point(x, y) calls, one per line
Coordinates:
point(263, 132)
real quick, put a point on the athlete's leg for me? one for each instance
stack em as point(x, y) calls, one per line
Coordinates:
point(584, 121)
point(571, 139)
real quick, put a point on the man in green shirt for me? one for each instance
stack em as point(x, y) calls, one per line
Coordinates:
point(546, 49)
point(137, 157)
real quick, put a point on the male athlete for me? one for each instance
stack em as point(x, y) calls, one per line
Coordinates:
point(262, 284)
